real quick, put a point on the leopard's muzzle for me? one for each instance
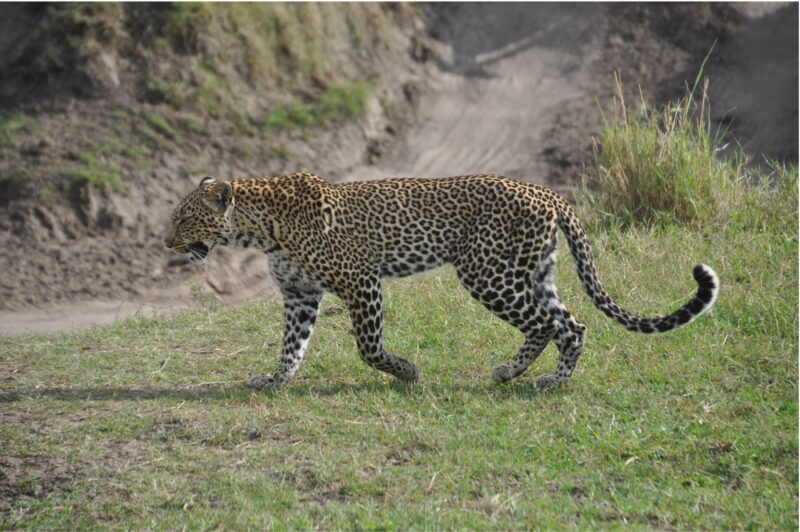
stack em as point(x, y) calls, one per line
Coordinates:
point(197, 252)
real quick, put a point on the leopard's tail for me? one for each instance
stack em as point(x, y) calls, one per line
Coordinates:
point(703, 300)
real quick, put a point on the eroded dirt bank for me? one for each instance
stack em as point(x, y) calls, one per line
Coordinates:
point(504, 88)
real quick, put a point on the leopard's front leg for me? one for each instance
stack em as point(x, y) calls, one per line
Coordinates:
point(300, 315)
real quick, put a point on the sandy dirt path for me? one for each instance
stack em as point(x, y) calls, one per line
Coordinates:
point(506, 70)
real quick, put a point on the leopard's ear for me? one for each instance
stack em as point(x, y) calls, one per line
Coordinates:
point(219, 196)
point(206, 180)
point(328, 219)
point(326, 206)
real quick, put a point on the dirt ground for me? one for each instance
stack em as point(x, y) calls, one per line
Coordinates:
point(504, 88)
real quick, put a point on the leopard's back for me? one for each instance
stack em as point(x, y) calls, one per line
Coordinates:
point(416, 224)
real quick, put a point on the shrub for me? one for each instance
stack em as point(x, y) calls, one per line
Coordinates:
point(658, 166)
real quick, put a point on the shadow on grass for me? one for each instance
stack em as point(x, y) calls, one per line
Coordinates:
point(125, 394)
point(521, 389)
point(227, 391)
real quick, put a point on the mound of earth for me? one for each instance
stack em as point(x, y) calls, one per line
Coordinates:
point(458, 88)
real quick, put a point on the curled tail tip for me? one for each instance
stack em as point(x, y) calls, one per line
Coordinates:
point(705, 277)
point(708, 285)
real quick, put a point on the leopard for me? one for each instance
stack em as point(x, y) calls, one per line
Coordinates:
point(499, 234)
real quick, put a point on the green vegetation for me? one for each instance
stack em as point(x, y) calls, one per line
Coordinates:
point(78, 28)
point(280, 152)
point(132, 152)
point(162, 92)
point(662, 166)
point(100, 177)
point(696, 429)
point(154, 128)
point(185, 22)
point(213, 93)
point(213, 56)
point(282, 43)
point(159, 124)
point(10, 129)
point(337, 104)
point(187, 123)
point(343, 102)
point(95, 171)
point(242, 151)
point(260, 49)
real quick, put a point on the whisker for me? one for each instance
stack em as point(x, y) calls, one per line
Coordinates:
point(195, 256)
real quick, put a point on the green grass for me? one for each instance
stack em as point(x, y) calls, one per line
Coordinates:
point(163, 92)
point(191, 125)
point(130, 151)
point(159, 124)
point(185, 22)
point(11, 127)
point(336, 104)
point(264, 49)
point(146, 423)
point(95, 171)
point(280, 152)
point(243, 152)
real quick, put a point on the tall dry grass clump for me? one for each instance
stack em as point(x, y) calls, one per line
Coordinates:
point(663, 165)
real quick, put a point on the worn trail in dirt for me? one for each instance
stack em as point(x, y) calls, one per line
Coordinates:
point(506, 70)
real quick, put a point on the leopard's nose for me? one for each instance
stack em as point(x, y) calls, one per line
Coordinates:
point(169, 242)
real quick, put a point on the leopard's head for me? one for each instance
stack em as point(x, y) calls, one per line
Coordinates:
point(201, 220)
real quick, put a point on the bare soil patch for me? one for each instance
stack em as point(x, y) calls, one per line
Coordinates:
point(36, 477)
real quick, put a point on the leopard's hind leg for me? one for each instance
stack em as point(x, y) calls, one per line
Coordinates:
point(506, 289)
point(535, 342)
point(569, 334)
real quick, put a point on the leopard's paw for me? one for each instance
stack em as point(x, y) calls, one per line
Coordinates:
point(410, 374)
point(403, 370)
point(547, 382)
point(262, 382)
point(502, 373)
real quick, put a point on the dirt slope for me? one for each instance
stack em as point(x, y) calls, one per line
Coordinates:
point(505, 88)
point(85, 177)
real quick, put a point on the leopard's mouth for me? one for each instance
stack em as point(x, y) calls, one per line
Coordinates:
point(197, 252)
